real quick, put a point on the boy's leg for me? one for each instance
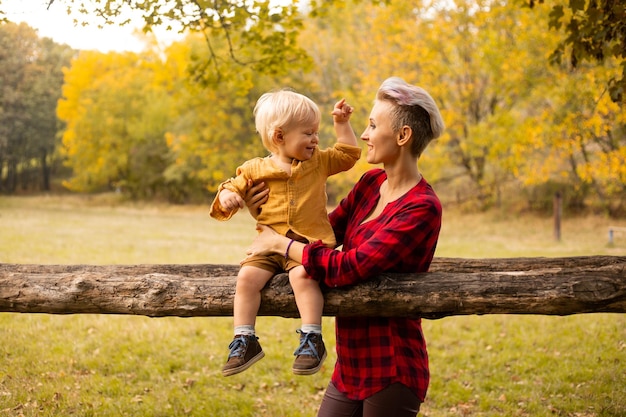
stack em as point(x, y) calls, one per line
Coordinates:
point(245, 349)
point(311, 353)
point(250, 282)
point(309, 298)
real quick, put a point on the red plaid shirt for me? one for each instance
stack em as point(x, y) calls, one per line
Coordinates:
point(373, 353)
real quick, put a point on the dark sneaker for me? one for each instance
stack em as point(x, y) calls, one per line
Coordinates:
point(310, 354)
point(245, 351)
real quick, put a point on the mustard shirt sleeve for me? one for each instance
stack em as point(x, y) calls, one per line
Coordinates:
point(343, 157)
point(237, 184)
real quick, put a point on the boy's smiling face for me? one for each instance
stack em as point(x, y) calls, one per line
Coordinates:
point(299, 142)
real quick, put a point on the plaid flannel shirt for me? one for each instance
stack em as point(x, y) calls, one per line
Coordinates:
point(373, 353)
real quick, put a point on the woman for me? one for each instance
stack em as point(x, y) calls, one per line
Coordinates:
point(389, 222)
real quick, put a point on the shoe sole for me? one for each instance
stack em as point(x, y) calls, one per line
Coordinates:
point(241, 368)
point(310, 371)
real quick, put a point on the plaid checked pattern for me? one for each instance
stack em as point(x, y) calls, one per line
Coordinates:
point(373, 353)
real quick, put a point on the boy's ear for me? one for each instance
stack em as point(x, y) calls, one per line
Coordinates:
point(278, 136)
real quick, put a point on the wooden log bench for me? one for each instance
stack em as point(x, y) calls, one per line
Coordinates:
point(454, 286)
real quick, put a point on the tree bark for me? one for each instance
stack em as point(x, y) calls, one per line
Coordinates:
point(454, 286)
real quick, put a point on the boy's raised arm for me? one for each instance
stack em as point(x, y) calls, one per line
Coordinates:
point(341, 119)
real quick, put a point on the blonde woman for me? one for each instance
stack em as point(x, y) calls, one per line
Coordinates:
point(389, 222)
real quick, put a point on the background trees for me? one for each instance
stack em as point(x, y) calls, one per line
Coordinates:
point(30, 85)
point(174, 123)
point(595, 30)
point(116, 114)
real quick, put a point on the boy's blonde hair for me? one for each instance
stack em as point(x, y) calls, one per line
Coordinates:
point(283, 109)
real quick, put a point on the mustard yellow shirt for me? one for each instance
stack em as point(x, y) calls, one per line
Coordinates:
point(296, 202)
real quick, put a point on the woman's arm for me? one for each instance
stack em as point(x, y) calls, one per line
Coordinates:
point(403, 242)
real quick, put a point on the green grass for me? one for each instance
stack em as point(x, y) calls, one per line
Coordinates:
point(98, 365)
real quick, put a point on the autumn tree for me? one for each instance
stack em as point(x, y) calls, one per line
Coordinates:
point(485, 63)
point(30, 84)
point(214, 128)
point(577, 142)
point(260, 35)
point(116, 116)
point(150, 125)
point(589, 29)
point(479, 59)
point(515, 124)
point(594, 31)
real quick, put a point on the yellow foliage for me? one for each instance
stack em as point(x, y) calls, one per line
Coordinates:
point(509, 114)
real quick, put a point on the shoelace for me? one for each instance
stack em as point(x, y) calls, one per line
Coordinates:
point(307, 347)
point(238, 346)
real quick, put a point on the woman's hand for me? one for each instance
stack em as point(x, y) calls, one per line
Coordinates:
point(267, 241)
point(255, 197)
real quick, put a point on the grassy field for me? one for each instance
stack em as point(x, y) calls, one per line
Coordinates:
point(97, 365)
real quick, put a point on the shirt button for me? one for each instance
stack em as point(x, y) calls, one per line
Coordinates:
point(292, 202)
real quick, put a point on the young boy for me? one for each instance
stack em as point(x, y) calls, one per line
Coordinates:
point(295, 173)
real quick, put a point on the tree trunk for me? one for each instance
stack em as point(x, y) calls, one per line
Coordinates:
point(454, 286)
point(12, 175)
point(45, 171)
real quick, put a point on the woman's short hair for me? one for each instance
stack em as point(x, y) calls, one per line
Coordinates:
point(283, 109)
point(413, 107)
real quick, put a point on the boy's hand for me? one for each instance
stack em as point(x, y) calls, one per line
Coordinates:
point(230, 200)
point(342, 112)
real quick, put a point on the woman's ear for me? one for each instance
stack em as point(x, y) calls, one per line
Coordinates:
point(404, 135)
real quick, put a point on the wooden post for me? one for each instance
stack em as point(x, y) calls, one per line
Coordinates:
point(558, 211)
point(612, 231)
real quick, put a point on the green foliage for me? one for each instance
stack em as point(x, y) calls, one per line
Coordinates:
point(594, 31)
point(174, 123)
point(256, 36)
point(30, 85)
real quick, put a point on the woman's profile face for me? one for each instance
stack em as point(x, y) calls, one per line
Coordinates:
point(380, 138)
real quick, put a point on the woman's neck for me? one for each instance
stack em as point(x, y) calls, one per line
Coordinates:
point(401, 177)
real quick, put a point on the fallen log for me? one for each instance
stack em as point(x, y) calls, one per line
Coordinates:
point(454, 286)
